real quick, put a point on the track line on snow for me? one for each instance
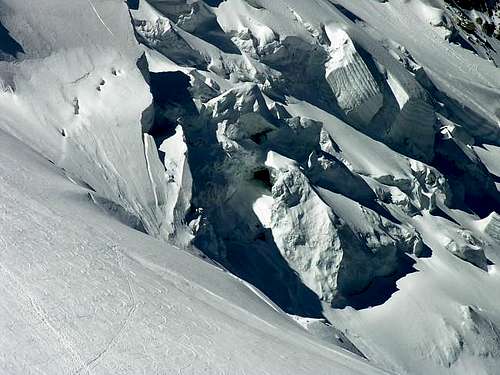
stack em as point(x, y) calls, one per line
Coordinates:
point(99, 16)
point(92, 363)
point(44, 317)
point(95, 360)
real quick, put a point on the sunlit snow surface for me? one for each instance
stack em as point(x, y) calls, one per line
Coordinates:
point(82, 293)
point(248, 187)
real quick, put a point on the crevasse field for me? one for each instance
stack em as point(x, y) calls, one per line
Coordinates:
point(249, 187)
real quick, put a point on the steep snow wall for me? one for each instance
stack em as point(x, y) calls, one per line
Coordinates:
point(77, 96)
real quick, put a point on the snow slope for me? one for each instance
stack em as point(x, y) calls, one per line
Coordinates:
point(83, 293)
point(249, 186)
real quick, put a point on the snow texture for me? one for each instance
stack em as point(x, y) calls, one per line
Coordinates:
point(249, 186)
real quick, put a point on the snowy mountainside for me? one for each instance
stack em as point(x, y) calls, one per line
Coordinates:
point(82, 293)
point(339, 160)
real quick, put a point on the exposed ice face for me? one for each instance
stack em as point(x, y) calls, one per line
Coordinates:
point(315, 242)
point(464, 245)
point(355, 89)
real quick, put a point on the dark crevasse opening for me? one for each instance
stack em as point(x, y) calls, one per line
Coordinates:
point(170, 88)
point(133, 4)
point(171, 99)
point(260, 263)
point(347, 13)
point(473, 4)
point(264, 177)
point(381, 288)
point(211, 32)
point(256, 260)
point(213, 3)
point(472, 186)
point(255, 257)
point(9, 47)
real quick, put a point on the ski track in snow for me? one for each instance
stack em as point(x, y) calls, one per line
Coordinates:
point(99, 17)
point(44, 317)
point(93, 362)
point(98, 296)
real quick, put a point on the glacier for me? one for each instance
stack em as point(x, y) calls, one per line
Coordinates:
point(249, 186)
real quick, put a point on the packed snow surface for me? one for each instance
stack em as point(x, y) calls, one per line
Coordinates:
point(249, 186)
